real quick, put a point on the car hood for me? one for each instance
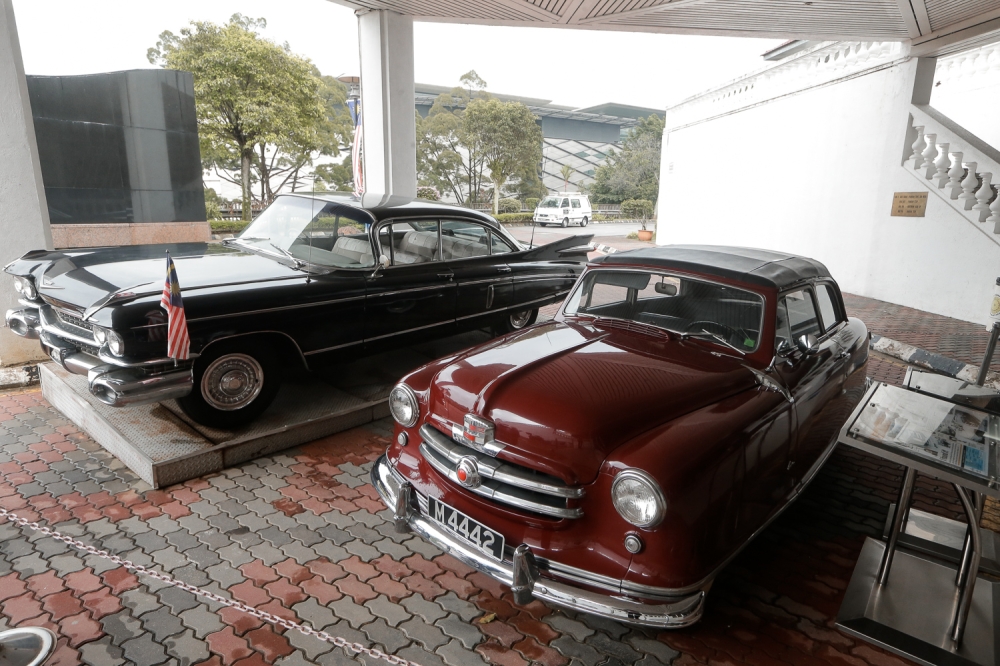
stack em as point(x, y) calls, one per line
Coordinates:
point(564, 396)
point(83, 279)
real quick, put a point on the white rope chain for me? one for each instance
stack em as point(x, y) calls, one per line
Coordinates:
point(343, 643)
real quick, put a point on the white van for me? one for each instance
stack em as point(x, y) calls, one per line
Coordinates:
point(564, 208)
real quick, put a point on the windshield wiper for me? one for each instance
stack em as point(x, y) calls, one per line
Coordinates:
point(295, 260)
point(245, 239)
point(713, 336)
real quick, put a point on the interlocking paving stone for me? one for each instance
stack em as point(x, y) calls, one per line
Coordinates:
point(201, 620)
point(455, 654)
point(101, 653)
point(455, 627)
point(383, 608)
point(161, 623)
point(348, 610)
point(310, 645)
point(186, 648)
point(121, 626)
point(460, 607)
point(428, 635)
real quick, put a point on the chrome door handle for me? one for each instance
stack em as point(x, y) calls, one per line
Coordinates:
point(503, 269)
point(843, 355)
point(446, 276)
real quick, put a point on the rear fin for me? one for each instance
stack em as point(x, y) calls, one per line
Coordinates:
point(571, 247)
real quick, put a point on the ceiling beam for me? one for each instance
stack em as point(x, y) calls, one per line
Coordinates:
point(923, 20)
point(667, 5)
point(984, 28)
point(909, 18)
point(525, 6)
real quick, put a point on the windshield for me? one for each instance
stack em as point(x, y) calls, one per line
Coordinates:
point(550, 202)
point(317, 232)
point(677, 304)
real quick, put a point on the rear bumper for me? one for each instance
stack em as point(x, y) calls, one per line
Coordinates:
point(682, 612)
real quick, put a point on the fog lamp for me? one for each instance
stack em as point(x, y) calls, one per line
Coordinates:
point(637, 498)
point(403, 405)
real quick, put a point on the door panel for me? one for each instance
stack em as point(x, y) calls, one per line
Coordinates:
point(482, 278)
point(540, 283)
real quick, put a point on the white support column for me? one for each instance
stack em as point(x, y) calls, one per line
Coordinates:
point(390, 148)
point(24, 215)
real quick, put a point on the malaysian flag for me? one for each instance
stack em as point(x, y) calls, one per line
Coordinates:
point(178, 342)
point(354, 105)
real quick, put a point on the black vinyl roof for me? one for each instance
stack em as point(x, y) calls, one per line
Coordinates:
point(750, 265)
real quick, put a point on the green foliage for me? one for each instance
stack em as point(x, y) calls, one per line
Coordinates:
point(261, 108)
point(428, 193)
point(634, 172)
point(509, 206)
point(212, 205)
point(228, 226)
point(637, 209)
point(514, 217)
point(506, 135)
point(532, 202)
point(335, 177)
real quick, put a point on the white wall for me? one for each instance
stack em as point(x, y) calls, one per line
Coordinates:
point(814, 174)
point(24, 216)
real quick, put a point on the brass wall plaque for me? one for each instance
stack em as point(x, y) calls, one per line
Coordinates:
point(909, 204)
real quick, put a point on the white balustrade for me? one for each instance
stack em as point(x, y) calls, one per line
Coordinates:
point(969, 186)
point(918, 148)
point(955, 175)
point(995, 215)
point(983, 197)
point(929, 154)
point(941, 165)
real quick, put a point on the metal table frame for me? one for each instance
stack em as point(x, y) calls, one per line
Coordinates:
point(970, 488)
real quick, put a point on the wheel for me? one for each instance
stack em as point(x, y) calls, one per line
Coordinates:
point(233, 384)
point(515, 321)
point(565, 222)
point(584, 221)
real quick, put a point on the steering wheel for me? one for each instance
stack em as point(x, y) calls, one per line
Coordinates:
point(720, 329)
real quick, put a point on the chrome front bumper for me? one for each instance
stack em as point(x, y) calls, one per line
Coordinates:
point(107, 380)
point(522, 572)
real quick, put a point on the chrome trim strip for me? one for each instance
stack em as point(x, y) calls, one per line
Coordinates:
point(680, 611)
point(495, 469)
point(518, 306)
point(326, 349)
point(46, 314)
point(493, 490)
point(410, 330)
point(435, 287)
point(277, 309)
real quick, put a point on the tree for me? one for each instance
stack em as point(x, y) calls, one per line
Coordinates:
point(259, 106)
point(566, 171)
point(634, 172)
point(506, 135)
point(446, 160)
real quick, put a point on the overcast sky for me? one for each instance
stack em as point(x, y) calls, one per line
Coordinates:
point(573, 67)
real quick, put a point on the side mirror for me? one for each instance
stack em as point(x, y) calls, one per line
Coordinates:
point(383, 263)
point(807, 344)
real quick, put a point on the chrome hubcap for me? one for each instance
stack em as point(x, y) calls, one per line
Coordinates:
point(232, 382)
point(520, 319)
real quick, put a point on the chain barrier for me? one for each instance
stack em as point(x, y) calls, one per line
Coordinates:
point(347, 646)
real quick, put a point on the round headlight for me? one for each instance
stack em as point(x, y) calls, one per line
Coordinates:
point(19, 285)
point(100, 334)
point(638, 499)
point(403, 405)
point(25, 287)
point(115, 343)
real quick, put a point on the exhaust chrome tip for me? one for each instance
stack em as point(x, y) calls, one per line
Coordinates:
point(24, 322)
point(128, 386)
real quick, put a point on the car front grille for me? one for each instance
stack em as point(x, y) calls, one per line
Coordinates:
point(69, 328)
point(503, 482)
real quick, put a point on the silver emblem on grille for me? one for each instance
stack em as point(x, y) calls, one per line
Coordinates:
point(467, 473)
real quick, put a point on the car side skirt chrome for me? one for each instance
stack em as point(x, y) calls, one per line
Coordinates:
point(674, 614)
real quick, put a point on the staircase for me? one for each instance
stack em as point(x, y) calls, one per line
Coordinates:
point(954, 164)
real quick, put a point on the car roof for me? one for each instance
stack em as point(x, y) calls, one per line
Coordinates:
point(383, 206)
point(753, 266)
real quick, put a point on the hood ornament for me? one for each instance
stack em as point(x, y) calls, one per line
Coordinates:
point(467, 473)
point(477, 432)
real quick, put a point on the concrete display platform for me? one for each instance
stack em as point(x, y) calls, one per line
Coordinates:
point(163, 446)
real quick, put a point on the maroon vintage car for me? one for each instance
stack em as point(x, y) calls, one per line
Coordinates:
point(612, 461)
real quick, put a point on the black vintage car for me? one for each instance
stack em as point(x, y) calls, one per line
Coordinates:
point(312, 279)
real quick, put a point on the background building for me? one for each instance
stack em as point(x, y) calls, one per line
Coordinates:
point(580, 138)
point(119, 157)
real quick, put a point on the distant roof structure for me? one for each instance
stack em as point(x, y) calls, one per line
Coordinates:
point(935, 26)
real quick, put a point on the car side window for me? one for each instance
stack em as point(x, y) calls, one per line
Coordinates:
point(576, 203)
point(827, 309)
point(385, 241)
point(498, 245)
point(415, 242)
point(565, 203)
point(782, 331)
point(802, 317)
point(461, 239)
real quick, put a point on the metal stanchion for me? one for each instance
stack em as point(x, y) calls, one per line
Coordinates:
point(979, 502)
point(990, 348)
point(965, 597)
point(898, 524)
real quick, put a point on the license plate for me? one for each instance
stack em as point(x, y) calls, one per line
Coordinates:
point(461, 525)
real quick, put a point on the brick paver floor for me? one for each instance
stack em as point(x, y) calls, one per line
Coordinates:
point(303, 534)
